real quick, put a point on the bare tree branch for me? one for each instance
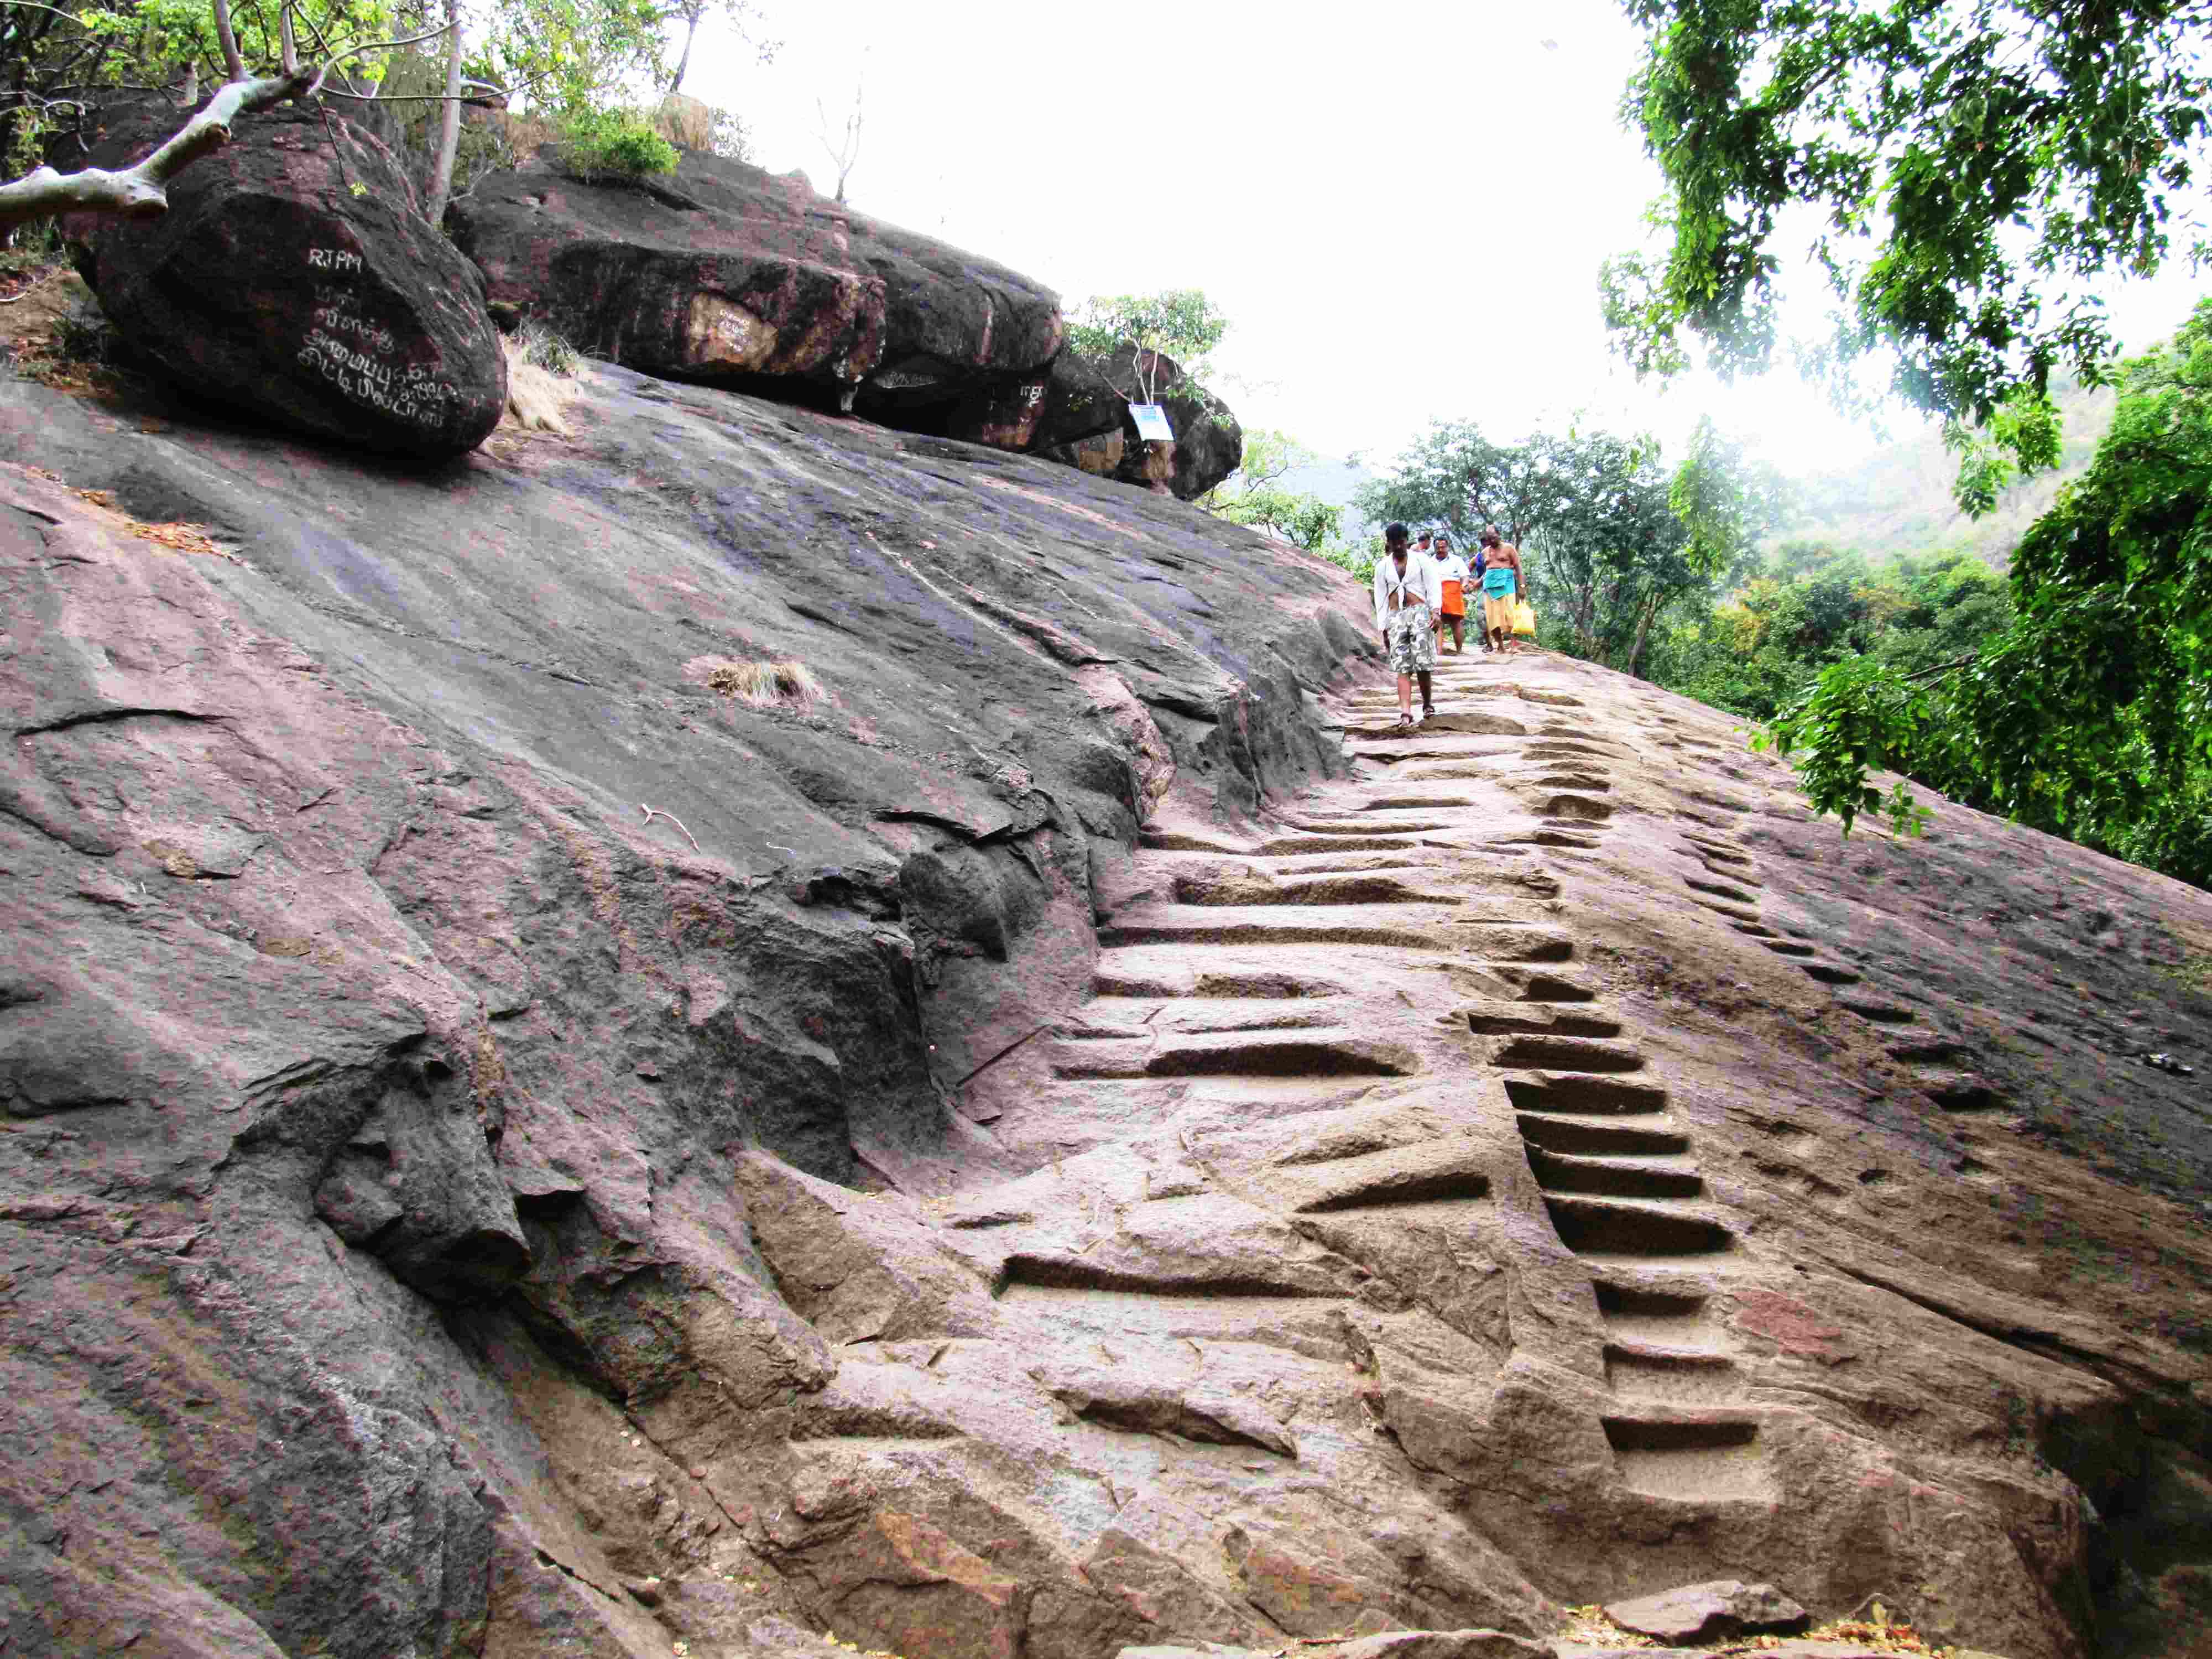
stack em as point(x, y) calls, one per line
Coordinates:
point(845, 148)
point(141, 192)
point(1941, 667)
point(386, 45)
point(490, 98)
point(449, 120)
point(233, 65)
point(34, 5)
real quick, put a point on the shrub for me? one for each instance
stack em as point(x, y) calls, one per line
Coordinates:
point(616, 143)
point(545, 347)
point(786, 685)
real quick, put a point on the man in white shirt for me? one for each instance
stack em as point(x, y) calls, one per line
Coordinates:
point(1408, 604)
point(1452, 577)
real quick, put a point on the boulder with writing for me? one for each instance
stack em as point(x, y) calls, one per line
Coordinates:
point(295, 278)
point(725, 273)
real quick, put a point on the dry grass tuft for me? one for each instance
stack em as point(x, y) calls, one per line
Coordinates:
point(535, 400)
point(786, 685)
point(539, 389)
point(685, 122)
point(1593, 1627)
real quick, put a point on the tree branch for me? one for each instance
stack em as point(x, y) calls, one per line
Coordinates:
point(34, 5)
point(234, 66)
point(1941, 667)
point(141, 192)
point(386, 45)
point(489, 97)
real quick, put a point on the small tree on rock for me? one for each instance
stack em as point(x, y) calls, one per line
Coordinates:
point(1178, 323)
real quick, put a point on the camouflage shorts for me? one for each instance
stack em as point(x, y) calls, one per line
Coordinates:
point(1413, 641)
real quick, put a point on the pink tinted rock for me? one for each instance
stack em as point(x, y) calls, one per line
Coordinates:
point(1697, 1613)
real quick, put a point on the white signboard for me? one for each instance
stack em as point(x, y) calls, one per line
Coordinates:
point(1152, 422)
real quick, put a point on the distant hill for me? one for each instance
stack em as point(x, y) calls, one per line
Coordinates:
point(1336, 482)
point(1899, 500)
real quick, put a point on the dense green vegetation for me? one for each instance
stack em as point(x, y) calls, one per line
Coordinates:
point(1810, 605)
point(2089, 712)
point(1255, 495)
point(594, 73)
point(616, 143)
point(1971, 173)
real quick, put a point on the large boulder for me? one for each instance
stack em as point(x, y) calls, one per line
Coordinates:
point(1083, 414)
point(1209, 444)
point(728, 274)
point(295, 277)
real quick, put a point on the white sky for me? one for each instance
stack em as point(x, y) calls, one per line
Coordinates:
point(1400, 207)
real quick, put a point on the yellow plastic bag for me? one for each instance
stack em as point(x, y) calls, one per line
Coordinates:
point(1524, 619)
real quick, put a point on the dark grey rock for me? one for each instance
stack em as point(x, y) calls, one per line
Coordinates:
point(725, 273)
point(294, 278)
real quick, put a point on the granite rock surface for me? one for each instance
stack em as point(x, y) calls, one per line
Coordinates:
point(1054, 1129)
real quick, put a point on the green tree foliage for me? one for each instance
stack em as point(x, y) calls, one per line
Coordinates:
point(576, 61)
point(574, 58)
point(1974, 168)
point(2090, 714)
point(1810, 605)
point(1454, 476)
point(1181, 323)
point(1726, 500)
point(1253, 495)
point(616, 143)
point(52, 56)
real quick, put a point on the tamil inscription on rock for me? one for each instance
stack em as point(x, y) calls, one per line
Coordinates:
point(356, 354)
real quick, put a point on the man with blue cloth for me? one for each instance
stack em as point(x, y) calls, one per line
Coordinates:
point(1501, 586)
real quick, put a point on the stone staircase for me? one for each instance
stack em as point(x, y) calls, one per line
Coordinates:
point(1253, 968)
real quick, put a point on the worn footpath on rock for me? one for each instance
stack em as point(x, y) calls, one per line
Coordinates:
point(1102, 1142)
point(1630, 1295)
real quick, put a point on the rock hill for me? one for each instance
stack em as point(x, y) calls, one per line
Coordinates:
point(748, 1024)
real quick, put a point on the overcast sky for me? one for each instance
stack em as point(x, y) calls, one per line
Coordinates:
point(1400, 207)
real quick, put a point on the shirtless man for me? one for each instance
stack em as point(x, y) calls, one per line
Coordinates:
point(1501, 586)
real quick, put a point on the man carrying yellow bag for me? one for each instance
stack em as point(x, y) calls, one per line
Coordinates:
point(1501, 588)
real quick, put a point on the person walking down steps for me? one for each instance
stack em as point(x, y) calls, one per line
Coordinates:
point(1409, 610)
point(1501, 586)
point(1475, 595)
point(1452, 577)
